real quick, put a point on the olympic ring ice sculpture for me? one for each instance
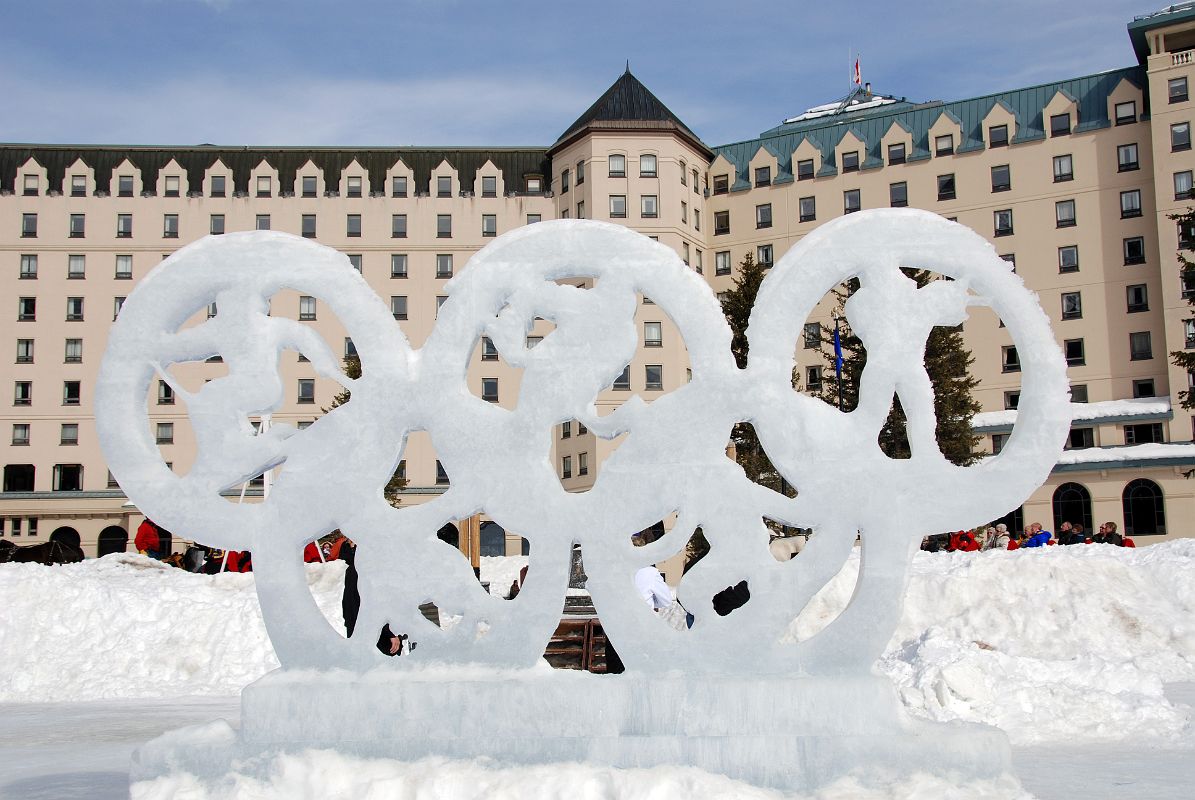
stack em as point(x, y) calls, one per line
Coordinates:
point(672, 459)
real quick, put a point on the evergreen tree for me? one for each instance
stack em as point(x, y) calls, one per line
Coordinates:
point(1185, 359)
point(947, 362)
point(352, 369)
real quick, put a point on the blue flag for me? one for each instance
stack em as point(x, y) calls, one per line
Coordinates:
point(837, 353)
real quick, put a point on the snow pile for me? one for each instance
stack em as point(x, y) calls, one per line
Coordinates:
point(323, 773)
point(1056, 644)
point(1086, 412)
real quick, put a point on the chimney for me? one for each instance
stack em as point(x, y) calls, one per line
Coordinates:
point(867, 87)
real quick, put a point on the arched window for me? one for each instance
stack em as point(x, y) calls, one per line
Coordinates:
point(1144, 508)
point(67, 536)
point(1072, 503)
point(113, 539)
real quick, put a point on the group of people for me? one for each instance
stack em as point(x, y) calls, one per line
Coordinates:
point(150, 541)
point(998, 537)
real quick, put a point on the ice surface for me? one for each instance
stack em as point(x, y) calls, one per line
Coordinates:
point(671, 461)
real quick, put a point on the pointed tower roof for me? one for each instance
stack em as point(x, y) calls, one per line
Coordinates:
point(628, 105)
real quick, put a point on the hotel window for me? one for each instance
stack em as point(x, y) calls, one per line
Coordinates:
point(70, 393)
point(1186, 236)
point(763, 176)
point(566, 467)
point(1068, 258)
point(1176, 89)
point(1140, 346)
point(1064, 169)
point(998, 441)
point(851, 201)
point(443, 186)
point(489, 390)
point(124, 267)
point(808, 209)
point(1010, 360)
point(697, 219)
point(1074, 351)
point(67, 478)
point(118, 304)
point(684, 180)
point(812, 335)
point(398, 186)
point(647, 166)
point(75, 267)
point(1012, 400)
point(1078, 393)
point(124, 226)
point(805, 169)
point(165, 394)
point(489, 225)
point(813, 379)
point(896, 154)
point(564, 181)
point(218, 186)
point(623, 381)
point(581, 210)
point(443, 226)
point(306, 308)
point(170, 226)
point(165, 433)
point(124, 186)
point(74, 309)
point(444, 265)
point(763, 216)
point(684, 212)
point(617, 164)
point(1144, 387)
point(850, 161)
point(721, 184)
point(1064, 213)
point(441, 474)
point(721, 222)
point(353, 186)
point(946, 190)
point(1134, 250)
point(73, 351)
point(262, 222)
point(648, 206)
point(264, 188)
point(1189, 334)
point(1001, 178)
point(1072, 305)
point(1126, 158)
point(1126, 113)
point(1182, 185)
point(79, 186)
point(1060, 125)
point(308, 185)
point(29, 267)
point(398, 265)
point(306, 390)
point(1003, 222)
point(580, 172)
point(534, 185)
point(653, 376)
point(618, 206)
point(1081, 438)
point(24, 351)
point(353, 226)
point(211, 310)
point(684, 247)
point(20, 434)
point(1180, 137)
point(695, 188)
point(29, 226)
point(23, 394)
point(534, 218)
point(350, 349)
point(78, 226)
point(489, 186)
point(722, 262)
point(217, 225)
point(398, 226)
point(26, 309)
point(697, 262)
point(944, 145)
point(308, 228)
point(1137, 296)
point(1130, 204)
point(998, 136)
point(489, 351)
point(1146, 433)
point(398, 306)
point(583, 463)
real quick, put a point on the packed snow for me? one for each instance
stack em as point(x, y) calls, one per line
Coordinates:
point(1061, 642)
point(1086, 412)
point(1135, 452)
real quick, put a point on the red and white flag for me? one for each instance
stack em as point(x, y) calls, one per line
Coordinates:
point(858, 79)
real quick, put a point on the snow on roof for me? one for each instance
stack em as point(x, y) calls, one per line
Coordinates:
point(838, 108)
point(1086, 412)
point(1137, 452)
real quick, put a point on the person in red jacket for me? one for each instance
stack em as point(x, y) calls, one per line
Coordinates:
point(147, 541)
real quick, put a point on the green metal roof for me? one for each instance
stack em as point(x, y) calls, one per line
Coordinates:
point(1142, 25)
point(1091, 92)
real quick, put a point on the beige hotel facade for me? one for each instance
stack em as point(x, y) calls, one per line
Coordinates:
point(1073, 181)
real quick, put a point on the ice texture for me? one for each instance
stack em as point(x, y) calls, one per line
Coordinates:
point(672, 459)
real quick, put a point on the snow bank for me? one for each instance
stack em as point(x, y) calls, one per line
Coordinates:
point(322, 773)
point(1060, 644)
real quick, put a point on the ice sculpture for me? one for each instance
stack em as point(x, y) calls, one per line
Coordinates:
point(712, 695)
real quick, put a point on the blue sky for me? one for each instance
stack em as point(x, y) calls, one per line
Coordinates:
point(468, 72)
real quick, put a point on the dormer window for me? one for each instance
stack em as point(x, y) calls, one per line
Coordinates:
point(1126, 113)
point(218, 186)
point(444, 186)
point(850, 161)
point(1060, 125)
point(896, 153)
point(805, 169)
point(998, 136)
point(944, 145)
point(353, 188)
point(763, 176)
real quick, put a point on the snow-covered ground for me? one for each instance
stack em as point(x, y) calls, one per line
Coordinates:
point(1067, 649)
